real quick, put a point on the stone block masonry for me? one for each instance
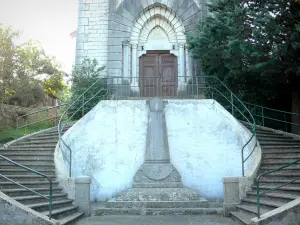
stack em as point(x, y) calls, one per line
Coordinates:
point(92, 30)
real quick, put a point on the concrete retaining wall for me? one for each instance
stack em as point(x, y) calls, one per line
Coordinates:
point(288, 214)
point(14, 213)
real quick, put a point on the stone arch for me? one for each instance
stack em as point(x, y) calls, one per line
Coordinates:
point(158, 22)
point(156, 15)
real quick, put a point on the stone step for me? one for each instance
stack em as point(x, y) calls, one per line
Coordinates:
point(44, 138)
point(30, 158)
point(25, 172)
point(45, 205)
point(281, 151)
point(280, 142)
point(48, 166)
point(252, 208)
point(158, 185)
point(274, 138)
point(20, 178)
point(270, 135)
point(282, 156)
point(277, 180)
point(36, 143)
point(33, 146)
point(268, 167)
point(156, 211)
point(281, 148)
point(26, 153)
point(26, 162)
point(26, 200)
point(71, 218)
point(268, 187)
point(243, 217)
point(30, 184)
point(275, 203)
point(278, 161)
point(275, 183)
point(22, 192)
point(57, 213)
point(47, 135)
point(286, 196)
point(158, 194)
point(202, 203)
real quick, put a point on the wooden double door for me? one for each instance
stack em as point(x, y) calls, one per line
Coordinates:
point(158, 74)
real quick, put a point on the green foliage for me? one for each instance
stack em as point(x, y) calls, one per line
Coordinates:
point(10, 134)
point(253, 46)
point(26, 72)
point(83, 77)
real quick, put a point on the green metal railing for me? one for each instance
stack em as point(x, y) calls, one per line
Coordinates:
point(258, 194)
point(84, 101)
point(45, 114)
point(273, 118)
point(49, 198)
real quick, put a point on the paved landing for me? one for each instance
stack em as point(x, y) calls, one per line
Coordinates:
point(157, 220)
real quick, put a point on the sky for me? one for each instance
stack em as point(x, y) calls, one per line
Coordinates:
point(48, 21)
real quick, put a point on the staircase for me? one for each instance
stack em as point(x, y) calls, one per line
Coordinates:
point(36, 152)
point(277, 150)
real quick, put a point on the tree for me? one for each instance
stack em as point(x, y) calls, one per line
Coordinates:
point(7, 61)
point(26, 73)
point(86, 78)
point(253, 46)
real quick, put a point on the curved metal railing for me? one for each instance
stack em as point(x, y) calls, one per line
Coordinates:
point(258, 194)
point(29, 189)
point(62, 123)
point(274, 118)
point(250, 119)
point(49, 117)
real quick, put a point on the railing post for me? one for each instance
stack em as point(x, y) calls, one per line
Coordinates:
point(262, 116)
point(285, 122)
point(82, 112)
point(258, 198)
point(50, 201)
point(82, 194)
point(231, 194)
point(232, 107)
point(243, 169)
point(197, 81)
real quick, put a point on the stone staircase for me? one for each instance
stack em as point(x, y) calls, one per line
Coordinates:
point(36, 152)
point(277, 150)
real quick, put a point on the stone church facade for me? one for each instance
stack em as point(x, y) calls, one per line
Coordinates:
point(140, 39)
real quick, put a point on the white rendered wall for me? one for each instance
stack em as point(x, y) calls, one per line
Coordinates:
point(205, 144)
point(108, 145)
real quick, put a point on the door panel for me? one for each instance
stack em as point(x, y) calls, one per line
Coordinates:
point(168, 65)
point(158, 75)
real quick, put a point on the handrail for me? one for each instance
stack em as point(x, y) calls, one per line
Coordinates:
point(29, 189)
point(36, 112)
point(258, 194)
point(283, 115)
point(253, 126)
point(61, 126)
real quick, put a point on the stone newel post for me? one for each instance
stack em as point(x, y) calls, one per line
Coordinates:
point(231, 194)
point(82, 194)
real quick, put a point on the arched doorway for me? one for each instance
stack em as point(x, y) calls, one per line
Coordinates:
point(158, 50)
point(158, 74)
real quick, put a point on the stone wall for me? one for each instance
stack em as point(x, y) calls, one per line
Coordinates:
point(103, 26)
point(92, 31)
